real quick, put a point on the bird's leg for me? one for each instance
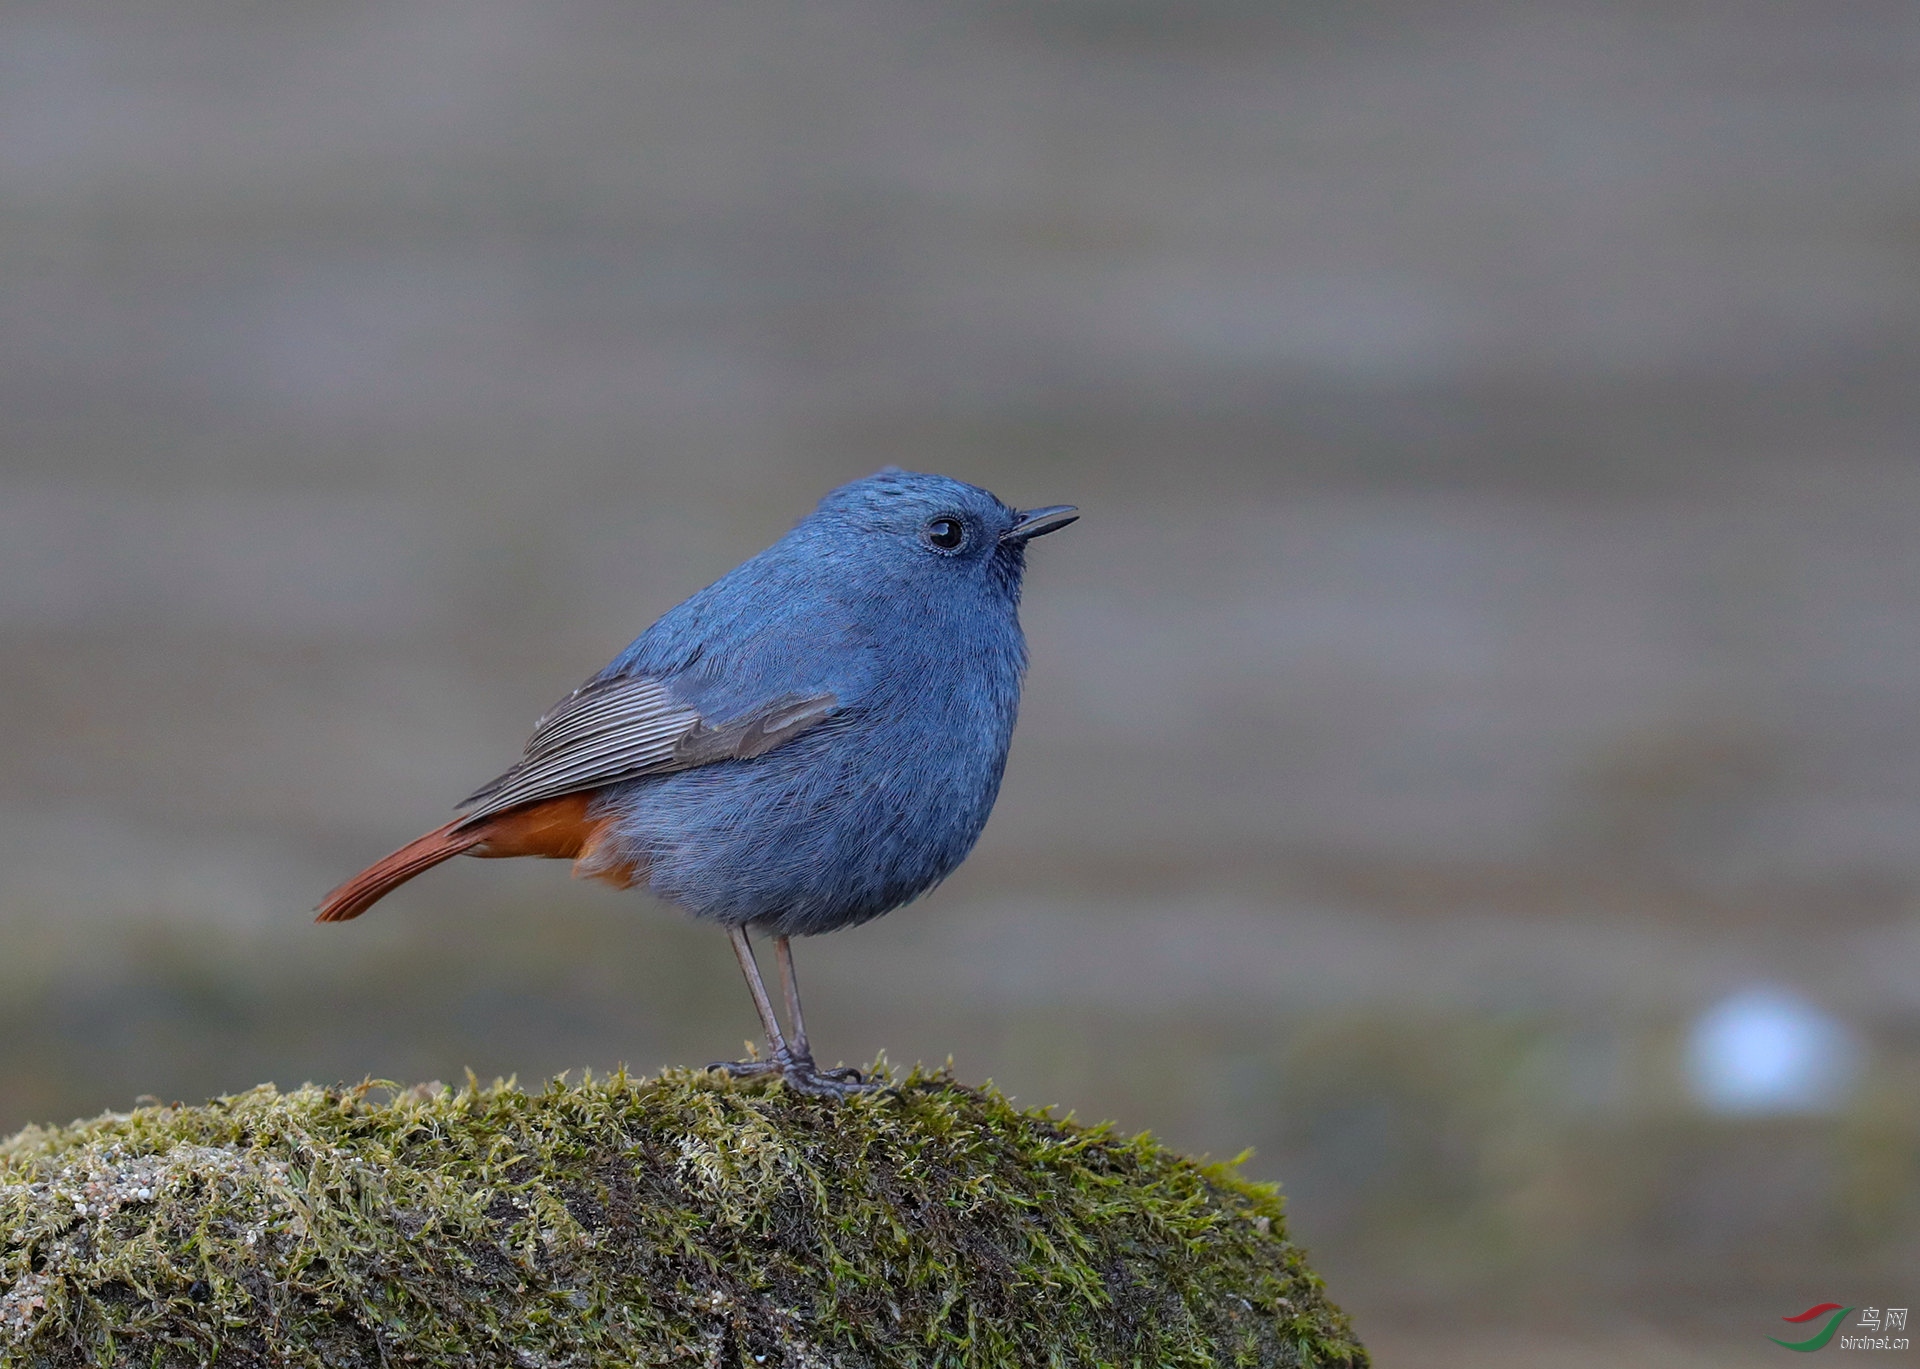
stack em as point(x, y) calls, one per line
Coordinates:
point(802, 1055)
point(783, 952)
point(781, 1059)
point(792, 1063)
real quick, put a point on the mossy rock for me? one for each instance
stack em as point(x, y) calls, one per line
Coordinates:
point(681, 1220)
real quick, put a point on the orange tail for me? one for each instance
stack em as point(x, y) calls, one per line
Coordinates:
point(384, 876)
point(562, 829)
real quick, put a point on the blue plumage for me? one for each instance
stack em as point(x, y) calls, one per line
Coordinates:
point(923, 652)
point(810, 741)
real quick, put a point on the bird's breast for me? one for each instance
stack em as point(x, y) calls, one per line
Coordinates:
point(844, 822)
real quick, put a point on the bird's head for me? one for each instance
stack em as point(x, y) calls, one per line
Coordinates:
point(931, 529)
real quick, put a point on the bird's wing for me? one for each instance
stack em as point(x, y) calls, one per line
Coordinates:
point(625, 728)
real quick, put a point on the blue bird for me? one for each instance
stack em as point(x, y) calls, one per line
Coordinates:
point(811, 741)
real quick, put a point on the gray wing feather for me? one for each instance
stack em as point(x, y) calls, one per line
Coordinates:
point(608, 731)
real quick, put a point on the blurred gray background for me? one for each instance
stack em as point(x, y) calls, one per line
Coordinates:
point(1472, 748)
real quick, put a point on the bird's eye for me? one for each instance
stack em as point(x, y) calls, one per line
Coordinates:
point(945, 534)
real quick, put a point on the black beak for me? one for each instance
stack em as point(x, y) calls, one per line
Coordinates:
point(1039, 522)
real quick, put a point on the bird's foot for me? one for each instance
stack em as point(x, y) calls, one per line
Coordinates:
point(801, 1075)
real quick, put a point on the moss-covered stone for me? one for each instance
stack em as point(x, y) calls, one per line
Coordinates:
point(680, 1220)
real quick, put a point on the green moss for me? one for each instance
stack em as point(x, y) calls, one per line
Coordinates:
point(680, 1220)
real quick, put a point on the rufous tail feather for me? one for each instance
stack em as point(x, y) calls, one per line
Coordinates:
point(384, 876)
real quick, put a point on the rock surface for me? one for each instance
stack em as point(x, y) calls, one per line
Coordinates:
point(678, 1220)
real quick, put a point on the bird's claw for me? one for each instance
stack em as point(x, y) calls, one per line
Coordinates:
point(801, 1075)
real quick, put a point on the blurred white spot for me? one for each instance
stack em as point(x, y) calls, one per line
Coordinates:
point(1766, 1050)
